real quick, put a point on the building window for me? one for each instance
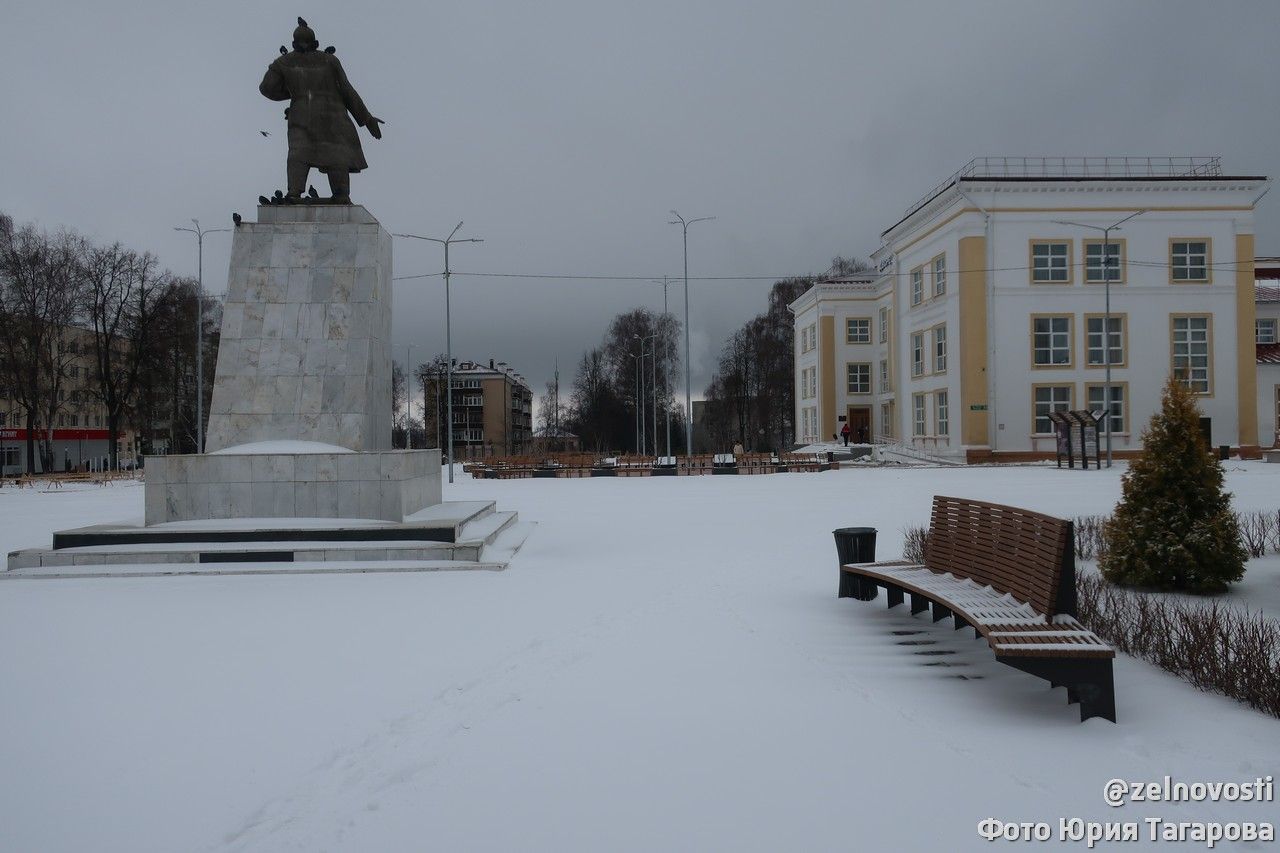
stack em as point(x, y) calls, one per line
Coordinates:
point(804, 424)
point(917, 353)
point(857, 330)
point(1051, 341)
point(809, 383)
point(939, 349)
point(886, 418)
point(1050, 398)
point(918, 414)
point(917, 285)
point(939, 275)
point(1050, 262)
point(1096, 403)
point(1192, 360)
point(884, 325)
point(1188, 261)
point(1095, 355)
point(1265, 331)
point(4, 419)
point(942, 415)
point(1093, 265)
point(884, 376)
point(859, 378)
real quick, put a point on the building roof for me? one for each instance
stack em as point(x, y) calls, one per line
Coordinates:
point(1267, 293)
point(1268, 353)
point(549, 432)
point(1021, 169)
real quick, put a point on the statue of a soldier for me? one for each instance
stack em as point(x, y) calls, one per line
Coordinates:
point(320, 133)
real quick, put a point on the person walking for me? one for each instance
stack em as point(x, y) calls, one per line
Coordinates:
point(844, 433)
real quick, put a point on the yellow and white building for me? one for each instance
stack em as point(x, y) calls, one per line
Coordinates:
point(988, 308)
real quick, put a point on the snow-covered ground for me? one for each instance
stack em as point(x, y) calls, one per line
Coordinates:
point(665, 666)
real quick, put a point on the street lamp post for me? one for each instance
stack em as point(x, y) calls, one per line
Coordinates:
point(199, 232)
point(408, 399)
point(638, 359)
point(688, 376)
point(1106, 321)
point(653, 338)
point(666, 373)
point(448, 331)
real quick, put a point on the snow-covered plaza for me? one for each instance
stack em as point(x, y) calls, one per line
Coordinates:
point(664, 666)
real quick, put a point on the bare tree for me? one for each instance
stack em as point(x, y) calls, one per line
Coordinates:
point(123, 290)
point(39, 299)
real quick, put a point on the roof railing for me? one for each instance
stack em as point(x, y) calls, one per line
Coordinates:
point(1077, 167)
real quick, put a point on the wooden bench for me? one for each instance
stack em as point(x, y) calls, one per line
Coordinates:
point(698, 463)
point(793, 462)
point(634, 466)
point(1009, 574)
point(755, 463)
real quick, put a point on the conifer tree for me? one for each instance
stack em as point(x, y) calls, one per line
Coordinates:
point(1173, 528)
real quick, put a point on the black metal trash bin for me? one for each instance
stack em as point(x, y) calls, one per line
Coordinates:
point(855, 545)
point(1224, 452)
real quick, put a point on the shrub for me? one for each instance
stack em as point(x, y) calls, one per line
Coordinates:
point(914, 540)
point(1212, 646)
point(1088, 533)
point(1257, 530)
point(1173, 528)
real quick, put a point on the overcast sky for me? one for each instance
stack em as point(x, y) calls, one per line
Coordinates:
point(564, 132)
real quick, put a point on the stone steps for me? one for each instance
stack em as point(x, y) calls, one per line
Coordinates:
point(460, 533)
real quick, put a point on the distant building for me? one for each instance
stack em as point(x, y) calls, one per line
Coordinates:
point(492, 410)
point(548, 440)
point(78, 435)
point(986, 311)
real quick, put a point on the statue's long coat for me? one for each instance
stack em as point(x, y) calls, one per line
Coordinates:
point(319, 96)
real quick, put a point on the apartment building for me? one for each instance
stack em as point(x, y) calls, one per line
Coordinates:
point(492, 410)
point(993, 306)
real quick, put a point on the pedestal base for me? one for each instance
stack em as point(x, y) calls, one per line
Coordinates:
point(387, 485)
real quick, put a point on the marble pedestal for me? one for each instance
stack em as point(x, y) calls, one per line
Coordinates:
point(387, 485)
point(305, 352)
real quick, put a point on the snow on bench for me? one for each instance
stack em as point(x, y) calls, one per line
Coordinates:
point(1009, 574)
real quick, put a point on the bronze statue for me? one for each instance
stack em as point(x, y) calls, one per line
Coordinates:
point(320, 133)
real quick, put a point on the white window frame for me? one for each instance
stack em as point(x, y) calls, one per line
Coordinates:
point(1050, 266)
point(886, 419)
point(1196, 368)
point(1093, 341)
point(1052, 404)
point(941, 413)
point(884, 376)
point(917, 353)
point(857, 376)
point(1093, 273)
point(919, 415)
point(1118, 409)
point(940, 348)
point(884, 324)
point(1057, 341)
point(857, 330)
point(939, 266)
point(917, 286)
point(1186, 260)
point(1264, 330)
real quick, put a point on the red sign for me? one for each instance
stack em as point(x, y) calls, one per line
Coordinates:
point(58, 435)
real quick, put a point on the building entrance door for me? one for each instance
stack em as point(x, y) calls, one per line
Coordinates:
point(859, 424)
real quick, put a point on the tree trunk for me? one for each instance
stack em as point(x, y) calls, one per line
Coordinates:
point(31, 441)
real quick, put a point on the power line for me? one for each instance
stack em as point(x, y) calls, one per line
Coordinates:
point(924, 268)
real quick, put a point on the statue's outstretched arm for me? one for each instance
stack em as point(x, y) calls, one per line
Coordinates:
point(351, 99)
